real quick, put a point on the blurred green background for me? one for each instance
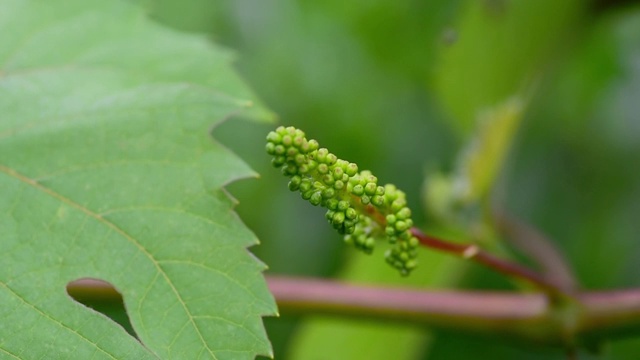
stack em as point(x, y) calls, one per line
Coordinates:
point(400, 88)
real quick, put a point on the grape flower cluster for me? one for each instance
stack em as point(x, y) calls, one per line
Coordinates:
point(357, 207)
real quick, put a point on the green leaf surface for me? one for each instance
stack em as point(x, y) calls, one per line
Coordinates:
point(108, 171)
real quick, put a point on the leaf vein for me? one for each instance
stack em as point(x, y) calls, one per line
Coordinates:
point(9, 353)
point(207, 267)
point(118, 230)
point(61, 324)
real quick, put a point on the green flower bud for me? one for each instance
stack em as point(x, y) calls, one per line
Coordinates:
point(377, 200)
point(401, 226)
point(404, 256)
point(305, 185)
point(287, 140)
point(273, 137)
point(328, 193)
point(397, 204)
point(391, 219)
point(307, 194)
point(289, 170)
point(338, 185)
point(295, 182)
point(343, 205)
point(311, 164)
point(321, 155)
point(338, 217)
point(312, 145)
point(404, 213)
point(331, 204)
point(278, 161)
point(351, 169)
point(370, 189)
point(351, 213)
point(390, 192)
point(315, 199)
point(323, 168)
point(331, 159)
point(371, 179)
point(390, 230)
point(292, 152)
point(358, 190)
point(342, 163)
point(365, 200)
point(328, 180)
point(337, 173)
point(299, 141)
point(270, 148)
point(329, 214)
point(355, 180)
point(300, 159)
point(303, 169)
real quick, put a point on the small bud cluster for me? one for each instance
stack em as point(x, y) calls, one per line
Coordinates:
point(398, 230)
point(363, 236)
point(335, 184)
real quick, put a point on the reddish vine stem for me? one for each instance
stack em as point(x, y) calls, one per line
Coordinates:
point(476, 254)
point(599, 315)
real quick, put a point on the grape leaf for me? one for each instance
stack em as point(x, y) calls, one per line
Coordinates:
point(108, 171)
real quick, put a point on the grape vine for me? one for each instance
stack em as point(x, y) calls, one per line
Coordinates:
point(357, 207)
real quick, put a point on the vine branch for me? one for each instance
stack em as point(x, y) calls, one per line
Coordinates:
point(475, 253)
point(531, 317)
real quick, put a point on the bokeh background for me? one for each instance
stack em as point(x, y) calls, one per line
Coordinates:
point(400, 88)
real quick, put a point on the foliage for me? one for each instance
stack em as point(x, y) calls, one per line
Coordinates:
point(340, 71)
point(400, 87)
point(107, 171)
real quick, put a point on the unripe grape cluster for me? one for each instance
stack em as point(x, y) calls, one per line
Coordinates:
point(403, 254)
point(352, 198)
